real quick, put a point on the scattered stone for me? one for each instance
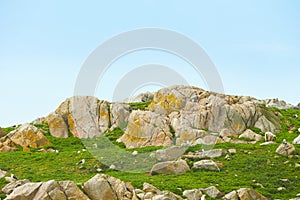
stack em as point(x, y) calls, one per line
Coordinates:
point(170, 167)
point(249, 134)
point(195, 194)
point(267, 143)
point(232, 151)
point(281, 188)
point(112, 167)
point(206, 165)
point(2, 173)
point(269, 137)
point(213, 192)
point(297, 140)
point(135, 153)
point(286, 149)
point(170, 154)
point(212, 153)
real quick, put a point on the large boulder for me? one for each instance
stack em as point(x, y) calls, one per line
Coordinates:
point(25, 136)
point(249, 194)
point(85, 117)
point(9, 188)
point(26, 191)
point(72, 191)
point(206, 165)
point(169, 154)
point(50, 190)
point(249, 134)
point(147, 128)
point(170, 167)
point(102, 187)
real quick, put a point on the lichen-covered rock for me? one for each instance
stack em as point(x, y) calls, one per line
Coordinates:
point(213, 192)
point(170, 167)
point(119, 113)
point(25, 136)
point(85, 117)
point(147, 128)
point(200, 109)
point(58, 126)
point(102, 187)
point(195, 194)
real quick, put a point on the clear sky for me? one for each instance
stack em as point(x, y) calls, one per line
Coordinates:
point(255, 46)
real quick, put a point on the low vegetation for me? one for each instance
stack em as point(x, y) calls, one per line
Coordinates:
point(253, 166)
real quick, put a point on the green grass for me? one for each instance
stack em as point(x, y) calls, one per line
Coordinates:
point(139, 105)
point(251, 162)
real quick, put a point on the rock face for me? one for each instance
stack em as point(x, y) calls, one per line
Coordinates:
point(25, 136)
point(147, 128)
point(286, 149)
point(84, 116)
point(119, 114)
point(102, 187)
point(280, 104)
point(170, 167)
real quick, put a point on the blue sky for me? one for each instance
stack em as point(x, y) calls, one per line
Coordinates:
point(255, 46)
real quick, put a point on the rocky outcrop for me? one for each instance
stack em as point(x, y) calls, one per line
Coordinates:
point(143, 97)
point(201, 109)
point(25, 136)
point(147, 128)
point(84, 116)
point(280, 104)
point(170, 167)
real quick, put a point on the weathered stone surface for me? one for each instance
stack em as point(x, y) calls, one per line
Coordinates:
point(195, 194)
point(206, 110)
point(206, 165)
point(85, 116)
point(143, 97)
point(169, 154)
point(270, 137)
point(231, 196)
point(102, 187)
point(297, 140)
point(24, 192)
point(170, 167)
point(119, 113)
point(72, 191)
point(249, 134)
point(9, 188)
point(249, 194)
point(50, 190)
point(146, 128)
point(280, 104)
point(57, 125)
point(25, 136)
point(286, 149)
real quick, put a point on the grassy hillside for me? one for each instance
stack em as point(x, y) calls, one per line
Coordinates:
point(253, 166)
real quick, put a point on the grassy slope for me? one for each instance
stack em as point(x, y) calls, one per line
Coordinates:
point(252, 162)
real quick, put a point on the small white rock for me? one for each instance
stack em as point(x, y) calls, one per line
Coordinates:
point(135, 153)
